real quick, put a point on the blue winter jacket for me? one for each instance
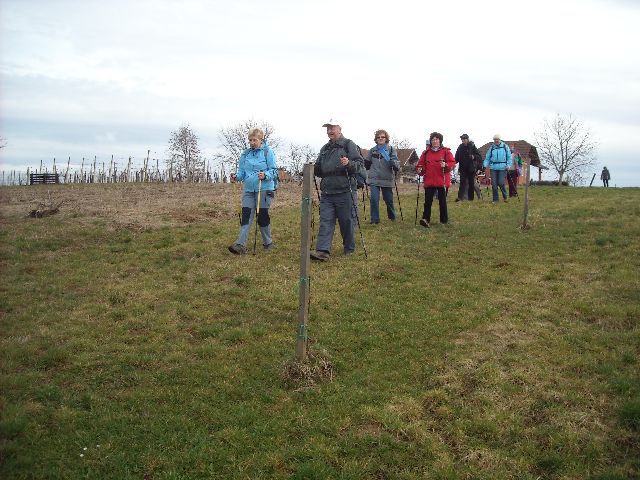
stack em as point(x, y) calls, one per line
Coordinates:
point(498, 157)
point(254, 161)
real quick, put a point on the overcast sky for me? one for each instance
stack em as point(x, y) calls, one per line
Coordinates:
point(85, 78)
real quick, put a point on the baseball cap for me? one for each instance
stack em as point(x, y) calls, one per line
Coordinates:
point(331, 122)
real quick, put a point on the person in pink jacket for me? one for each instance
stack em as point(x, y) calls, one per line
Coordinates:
point(435, 166)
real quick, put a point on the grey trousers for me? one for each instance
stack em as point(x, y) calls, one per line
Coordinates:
point(341, 207)
point(249, 200)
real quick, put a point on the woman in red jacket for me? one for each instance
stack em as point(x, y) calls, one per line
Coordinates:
point(435, 165)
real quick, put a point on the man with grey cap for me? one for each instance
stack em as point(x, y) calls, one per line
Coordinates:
point(338, 162)
point(467, 156)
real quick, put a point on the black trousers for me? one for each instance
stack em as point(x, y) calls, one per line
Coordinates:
point(467, 183)
point(442, 201)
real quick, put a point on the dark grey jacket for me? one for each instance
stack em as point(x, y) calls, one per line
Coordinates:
point(380, 171)
point(329, 168)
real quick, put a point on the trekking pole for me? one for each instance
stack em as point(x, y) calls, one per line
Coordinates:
point(398, 195)
point(418, 199)
point(315, 182)
point(444, 183)
point(255, 232)
point(355, 209)
point(364, 205)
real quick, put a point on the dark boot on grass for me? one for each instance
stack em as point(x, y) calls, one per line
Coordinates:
point(237, 249)
point(319, 256)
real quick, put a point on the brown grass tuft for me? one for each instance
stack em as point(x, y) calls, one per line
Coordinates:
point(302, 375)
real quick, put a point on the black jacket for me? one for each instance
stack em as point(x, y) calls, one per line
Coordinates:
point(468, 157)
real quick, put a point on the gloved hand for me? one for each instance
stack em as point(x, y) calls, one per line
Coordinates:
point(367, 164)
point(394, 168)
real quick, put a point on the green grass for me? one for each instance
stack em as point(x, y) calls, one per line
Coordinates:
point(473, 350)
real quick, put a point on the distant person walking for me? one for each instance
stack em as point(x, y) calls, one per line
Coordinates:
point(338, 163)
point(497, 161)
point(513, 173)
point(382, 163)
point(257, 169)
point(466, 156)
point(605, 176)
point(435, 164)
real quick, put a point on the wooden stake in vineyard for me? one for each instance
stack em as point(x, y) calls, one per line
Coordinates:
point(66, 174)
point(305, 263)
point(145, 177)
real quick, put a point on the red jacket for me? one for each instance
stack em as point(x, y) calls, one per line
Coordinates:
point(429, 164)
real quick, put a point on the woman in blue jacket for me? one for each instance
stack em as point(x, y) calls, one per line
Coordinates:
point(382, 163)
point(498, 160)
point(257, 169)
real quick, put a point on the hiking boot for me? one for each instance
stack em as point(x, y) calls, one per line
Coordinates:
point(237, 249)
point(348, 253)
point(506, 200)
point(424, 223)
point(271, 246)
point(319, 256)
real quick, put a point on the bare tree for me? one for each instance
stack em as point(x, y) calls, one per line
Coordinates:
point(400, 142)
point(298, 155)
point(3, 142)
point(567, 146)
point(234, 141)
point(185, 161)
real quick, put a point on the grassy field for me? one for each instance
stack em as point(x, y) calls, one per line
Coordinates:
point(133, 345)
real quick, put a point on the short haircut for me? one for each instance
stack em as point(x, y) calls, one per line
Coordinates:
point(256, 132)
point(436, 135)
point(381, 132)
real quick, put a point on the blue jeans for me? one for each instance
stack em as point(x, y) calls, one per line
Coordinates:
point(341, 207)
point(249, 200)
point(497, 180)
point(387, 195)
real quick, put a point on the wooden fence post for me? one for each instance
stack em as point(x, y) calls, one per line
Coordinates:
point(305, 263)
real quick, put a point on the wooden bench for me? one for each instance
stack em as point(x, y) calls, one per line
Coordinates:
point(43, 178)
